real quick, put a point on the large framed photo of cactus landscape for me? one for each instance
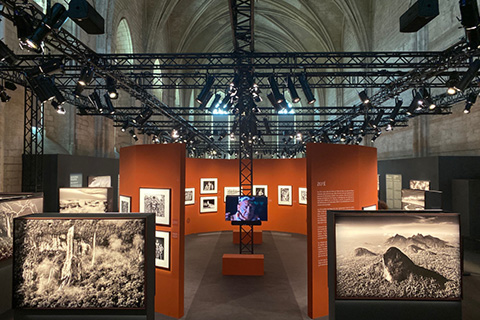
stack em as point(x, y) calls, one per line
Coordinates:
point(83, 261)
point(397, 256)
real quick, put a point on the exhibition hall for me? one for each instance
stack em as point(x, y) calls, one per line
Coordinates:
point(239, 159)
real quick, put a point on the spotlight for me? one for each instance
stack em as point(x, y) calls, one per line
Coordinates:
point(4, 97)
point(306, 88)
point(364, 97)
point(111, 88)
point(274, 102)
point(95, 101)
point(396, 109)
point(45, 89)
point(86, 76)
point(471, 99)
point(108, 102)
point(470, 21)
point(451, 83)
point(267, 126)
point(58, 107)
point(78, 90)
point(377, 120)
point(86, 17)
point(205, 99)
point(416, 102)
point(293, 91)
point(255, 91)
point(206, 90)
point(144, 115)
point(175, 134)
point(54, 20)
point(215, 102)
point(468, 76)
point(10, 85)
point(24, 26)
point(276, 92)
point(134, 136)
point(7, 55)
point(49, 67)
point(125, 125)
point(427, 99)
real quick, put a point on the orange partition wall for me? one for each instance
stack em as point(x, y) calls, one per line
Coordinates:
point(339, 177)
point(270, 172)
point(161, 166)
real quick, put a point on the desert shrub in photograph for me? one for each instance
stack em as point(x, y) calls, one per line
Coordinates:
point(79, 263)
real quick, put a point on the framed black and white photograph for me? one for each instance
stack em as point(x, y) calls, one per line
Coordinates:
point(156, 201)
point(230, 191)
point(413, 199)
point(260, 190)
point(85, 200)
point(208, 204)
point(397, 256)
point(79, 263)
point(125, 205)
point(285, 195)
point(99, 181)
point(162, 249)
point(302, 195)
point(420, 185)
point(208, 185)
point(189, 196)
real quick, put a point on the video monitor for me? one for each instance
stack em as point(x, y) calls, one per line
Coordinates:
point(246, 208)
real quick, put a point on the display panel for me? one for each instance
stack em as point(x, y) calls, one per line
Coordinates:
point(208, 185)
point(99, 181)
point(302, 195)
point(260, 190)
point(79, 263)
point(420, 184)
point(413, 199)
point(125, 204)
point(10, 209)
point(162, 249)
point(246, 208)
point(208, 204)
point(85, 200)
point(285, 195)
point(189, 196)
point(156, 201)
point(397, 256)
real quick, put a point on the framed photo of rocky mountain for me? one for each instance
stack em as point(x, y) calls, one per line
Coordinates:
point(284, 195)
point(156, 201)
point(81, 261)
point(125, 205)
point(260, 190)
point(302, 195)
point(162, 249)
point(397, 256)
point(85, 200)
point(13, 206)
point(208, 204)
point(189, 196)
point(208, 185)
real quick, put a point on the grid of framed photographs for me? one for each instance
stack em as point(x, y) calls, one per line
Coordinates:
point(162, 249)
point(208, 185)
point(156, 201)
point(284, 195)
point(189, 196)
point(208, 204)
point(125, 205)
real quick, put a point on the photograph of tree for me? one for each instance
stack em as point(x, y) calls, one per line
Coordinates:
point(156, 201)
point(79, 263)
point(398, 256)
point(83, 200)
point(125, 204)
point(10, 209)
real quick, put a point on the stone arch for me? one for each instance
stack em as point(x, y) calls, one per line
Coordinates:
point(123, 38)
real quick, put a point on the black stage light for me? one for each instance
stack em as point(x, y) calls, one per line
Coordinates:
point(58, 107)
point(378, 118)
point(276, 92)
point(24, 25)
point(95, 101)
point(111, 88)
point(108, 102)
point(125, 125)
point(206, 90)
point(86, 17)
point(306, 88)
point(144, 115)
point(427, 99)
point(293, 90)
point(4, 97)
point(215, 102)
point(134, 136)
point(468, 76)
point(86, 76)
point(78, 90)
point(469, 13)
point(49, 67)
point(53, 20)
point(7, 55)
point(205, 99)
point(364, 97)
point(10, 85)
point(268, 130)
point(451, 82)
point(416, 103)
point(44, 88)
point(396, 109)
point(471, 99)
point(255, 91)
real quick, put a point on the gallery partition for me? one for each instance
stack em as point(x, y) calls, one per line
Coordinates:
point(158, 172)
point(340, 177)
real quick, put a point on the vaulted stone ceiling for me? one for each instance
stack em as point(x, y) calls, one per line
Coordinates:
point(280, 25)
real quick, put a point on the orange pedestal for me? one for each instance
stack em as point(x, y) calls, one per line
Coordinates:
point(257, 237)
point(242, 264)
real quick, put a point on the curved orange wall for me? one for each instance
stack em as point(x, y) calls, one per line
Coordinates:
point(271, 172)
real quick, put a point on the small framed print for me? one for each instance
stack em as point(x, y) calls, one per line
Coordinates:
point(285, 195)
point(230, 191)
point(208, 204)
point(125, 205)
point(162, 249)
point(260, 190)
point(208, 185)
point(189, 196)
point(302, 195)
point(156, 201)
